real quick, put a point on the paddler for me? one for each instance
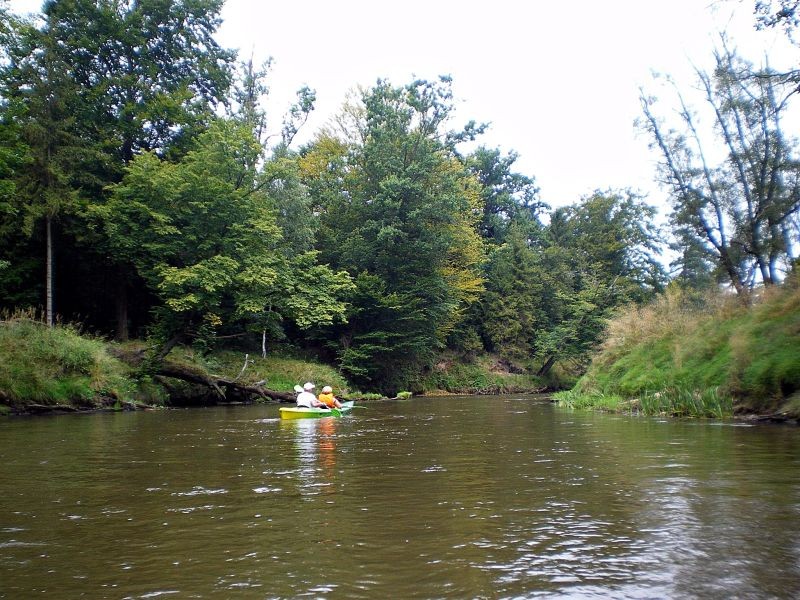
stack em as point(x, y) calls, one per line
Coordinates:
point(307, 399)
point(328, 399)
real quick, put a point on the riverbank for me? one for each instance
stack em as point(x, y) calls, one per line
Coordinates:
point(704, 357)
point(485, 374)
point(60, 369)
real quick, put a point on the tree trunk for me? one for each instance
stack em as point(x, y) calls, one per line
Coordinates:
point(121, 301)
point(548, 364)
point(217, 383)
point(49, 272)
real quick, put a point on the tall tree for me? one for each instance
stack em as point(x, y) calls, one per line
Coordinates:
point(145, 76)
point(406, 229)
point(741, 209)
point(41, 110)
point(507, 195)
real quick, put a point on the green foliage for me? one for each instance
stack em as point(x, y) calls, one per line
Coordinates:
point(149, 71)
point(550, 290)
point(92, 85)
point(511, 311)
point(405, 229)
point(205, 240)
point(507, 196)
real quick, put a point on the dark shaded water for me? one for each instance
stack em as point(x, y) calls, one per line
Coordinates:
point(488, 497)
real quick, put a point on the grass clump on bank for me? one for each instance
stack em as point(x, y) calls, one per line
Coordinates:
point(709, 357)
point(57, 366)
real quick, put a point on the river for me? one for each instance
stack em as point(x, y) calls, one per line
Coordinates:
point(458, 497)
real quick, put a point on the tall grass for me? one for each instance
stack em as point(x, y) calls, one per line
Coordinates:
point(40, 364)
point(683, 402)
point(687, 355)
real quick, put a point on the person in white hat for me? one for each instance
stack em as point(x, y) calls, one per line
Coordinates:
point(307, 399)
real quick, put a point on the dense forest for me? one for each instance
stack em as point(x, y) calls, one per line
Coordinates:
point(145, 193)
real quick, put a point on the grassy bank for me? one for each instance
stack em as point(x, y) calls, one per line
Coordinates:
point(44, 369)
point(485, 374)
point(41, 366)
point(279, 371)
point(686, 356)
point(60, 368)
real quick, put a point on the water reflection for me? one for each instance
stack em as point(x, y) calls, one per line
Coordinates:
point(314, 442)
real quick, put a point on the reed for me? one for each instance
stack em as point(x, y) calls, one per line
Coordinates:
point(686, 402)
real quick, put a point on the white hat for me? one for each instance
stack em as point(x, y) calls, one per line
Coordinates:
point(327, 389)
point(308, 386)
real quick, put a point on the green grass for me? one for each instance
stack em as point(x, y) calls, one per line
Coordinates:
point(709, 361)
point(683, 402)
point(478, 377)
point(52, 366)
point(281, 373)
point(593, 400)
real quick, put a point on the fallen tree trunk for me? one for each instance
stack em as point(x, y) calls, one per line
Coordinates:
point(219, 386)
point(222, 386)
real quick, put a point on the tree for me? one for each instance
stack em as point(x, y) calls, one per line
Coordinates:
point(599, 254)
point(404, 225)
point(143, 76)
point(741, 209)
point(511, 313)
point(613, 234)
point(204, 238)
point(506, 195)
point(40, 112)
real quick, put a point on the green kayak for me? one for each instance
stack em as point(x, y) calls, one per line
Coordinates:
point(297, 412)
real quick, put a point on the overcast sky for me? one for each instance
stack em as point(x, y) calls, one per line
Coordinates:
point(558, 81)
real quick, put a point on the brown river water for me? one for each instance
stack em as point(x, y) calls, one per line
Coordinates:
point(458, 497)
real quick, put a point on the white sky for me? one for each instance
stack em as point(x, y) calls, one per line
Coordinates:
point(558, 80)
